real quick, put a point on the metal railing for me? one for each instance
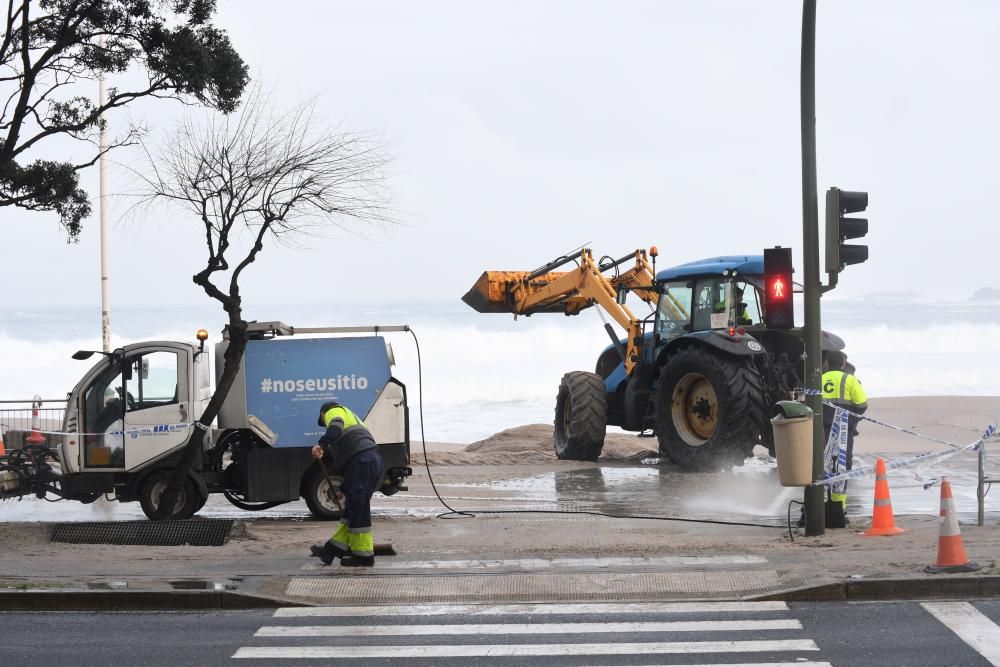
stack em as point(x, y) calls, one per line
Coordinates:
point(16, 415)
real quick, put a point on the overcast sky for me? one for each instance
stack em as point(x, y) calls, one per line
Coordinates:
point(524, 129)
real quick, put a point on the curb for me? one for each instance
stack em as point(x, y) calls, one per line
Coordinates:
point(850, 590)
point(135, 601)
point(956, 587)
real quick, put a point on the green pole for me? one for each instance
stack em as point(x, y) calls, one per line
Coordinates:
point(810, 250)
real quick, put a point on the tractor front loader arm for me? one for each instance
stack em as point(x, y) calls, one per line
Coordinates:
point(546, 290)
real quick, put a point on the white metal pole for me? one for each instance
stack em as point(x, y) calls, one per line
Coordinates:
point(105, 301)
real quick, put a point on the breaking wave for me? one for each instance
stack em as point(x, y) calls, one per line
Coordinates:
point(485, 373)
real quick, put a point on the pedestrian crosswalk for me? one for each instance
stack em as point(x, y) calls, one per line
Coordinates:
point(523, 628)
point(972, 626)
point(757, 633)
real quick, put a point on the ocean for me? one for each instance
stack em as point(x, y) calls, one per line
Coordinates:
point(484, 373)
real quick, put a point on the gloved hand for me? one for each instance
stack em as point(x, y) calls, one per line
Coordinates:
point(317, 452)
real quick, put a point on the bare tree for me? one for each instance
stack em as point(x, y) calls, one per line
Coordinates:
point(279, 176)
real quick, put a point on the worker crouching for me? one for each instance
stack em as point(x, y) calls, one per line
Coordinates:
point(354, 456)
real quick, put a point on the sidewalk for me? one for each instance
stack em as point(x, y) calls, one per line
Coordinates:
point(495, 558)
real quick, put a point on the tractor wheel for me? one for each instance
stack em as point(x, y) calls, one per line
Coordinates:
point(709, 409)
point(188, 499)
point(581, 417)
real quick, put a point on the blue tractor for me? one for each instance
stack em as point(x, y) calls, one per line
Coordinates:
point(700, 371)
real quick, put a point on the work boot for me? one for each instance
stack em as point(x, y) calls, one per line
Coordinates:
point(835, 517)
point(358, 561)
point(327, 552)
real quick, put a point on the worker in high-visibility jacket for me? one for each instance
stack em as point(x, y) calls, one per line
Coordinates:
point(845, 391)
point(354, 457)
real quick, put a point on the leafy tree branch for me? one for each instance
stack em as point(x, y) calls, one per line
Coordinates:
point(51, 52)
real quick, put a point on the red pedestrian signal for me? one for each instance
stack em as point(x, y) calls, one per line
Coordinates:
point(779, 310)
point(777, 288)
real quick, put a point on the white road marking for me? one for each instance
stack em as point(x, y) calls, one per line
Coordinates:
point(537, 608)
point(520, 650)
point(546, 563)
point(522, 628)
point(804, 663)
point(971, 626)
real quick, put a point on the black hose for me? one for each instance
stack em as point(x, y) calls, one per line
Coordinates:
point(251, 507)
point(627, 516)
point(423, 438)
point(453, 513)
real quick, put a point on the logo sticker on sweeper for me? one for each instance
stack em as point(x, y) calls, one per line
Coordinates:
point(754, 345)
point(288, 381)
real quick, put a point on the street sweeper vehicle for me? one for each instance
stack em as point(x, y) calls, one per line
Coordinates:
point(127, 421)
point(717, 348)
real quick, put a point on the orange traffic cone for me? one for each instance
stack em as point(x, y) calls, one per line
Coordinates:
point(883, 522)
point(3, 450)
point(951, 556)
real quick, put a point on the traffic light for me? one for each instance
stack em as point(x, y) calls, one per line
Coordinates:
point(838, 228)
point(779, 311)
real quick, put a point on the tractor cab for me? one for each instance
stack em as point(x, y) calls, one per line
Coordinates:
point(709, 303)
point(714, 294)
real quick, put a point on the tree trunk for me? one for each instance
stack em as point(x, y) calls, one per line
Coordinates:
point(233, 358)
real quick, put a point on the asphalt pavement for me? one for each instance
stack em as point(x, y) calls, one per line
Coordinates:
point(557, 635)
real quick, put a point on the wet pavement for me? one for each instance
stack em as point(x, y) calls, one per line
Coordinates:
point(749, 493)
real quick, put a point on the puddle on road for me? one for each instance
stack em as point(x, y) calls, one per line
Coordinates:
point(746, 493)
point(202, 585)
point(107, 585)
point(654, 490)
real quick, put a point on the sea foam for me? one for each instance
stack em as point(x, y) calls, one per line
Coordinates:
point(484, 373)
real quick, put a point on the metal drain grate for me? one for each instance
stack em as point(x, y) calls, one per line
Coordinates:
point(199, 533)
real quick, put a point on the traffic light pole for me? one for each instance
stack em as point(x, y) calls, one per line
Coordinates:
point(810, 251)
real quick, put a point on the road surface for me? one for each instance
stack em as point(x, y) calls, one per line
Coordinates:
point(556, 635)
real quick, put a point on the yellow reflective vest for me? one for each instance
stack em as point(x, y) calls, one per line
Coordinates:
point(345, 437)
point(843, 389)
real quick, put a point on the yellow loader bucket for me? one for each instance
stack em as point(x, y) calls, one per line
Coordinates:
point(494, 291)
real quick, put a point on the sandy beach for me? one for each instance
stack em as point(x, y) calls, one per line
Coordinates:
point(956, 419)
